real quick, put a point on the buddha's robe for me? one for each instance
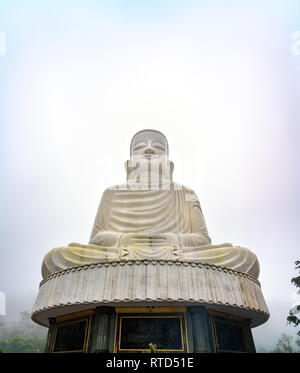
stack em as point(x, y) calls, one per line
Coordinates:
point(150, 224)
point(147, 212)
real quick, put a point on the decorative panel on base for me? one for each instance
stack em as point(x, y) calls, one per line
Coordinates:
point(144, 329)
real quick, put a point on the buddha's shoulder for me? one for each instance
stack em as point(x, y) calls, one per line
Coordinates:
point(121, 188)
point(190, 195)
point(125, 187)
point(187, 190)
point(114, 188)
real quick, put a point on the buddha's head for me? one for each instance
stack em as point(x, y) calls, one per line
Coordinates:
point(149, 147)
point(147, 143)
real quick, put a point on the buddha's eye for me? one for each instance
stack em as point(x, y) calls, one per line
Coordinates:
point(159, 146)
point(140, 146)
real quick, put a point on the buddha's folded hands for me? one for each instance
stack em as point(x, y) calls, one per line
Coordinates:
point(149, 240)
point(106, 239)
point(194, 239)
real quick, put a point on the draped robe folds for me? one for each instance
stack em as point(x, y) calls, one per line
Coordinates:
point(150, 224)
point(143, 211)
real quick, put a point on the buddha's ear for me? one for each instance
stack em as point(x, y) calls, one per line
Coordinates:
point(127, 168)
point(171, 169)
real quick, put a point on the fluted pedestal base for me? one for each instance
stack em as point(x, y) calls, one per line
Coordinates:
point(123, 306)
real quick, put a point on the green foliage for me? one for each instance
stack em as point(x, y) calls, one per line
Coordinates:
point(296, 280)
point(22, 336)
point(284, 344)
point(22, 345)
point(292, 318)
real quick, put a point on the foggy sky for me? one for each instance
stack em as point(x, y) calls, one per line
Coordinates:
point(220, 81)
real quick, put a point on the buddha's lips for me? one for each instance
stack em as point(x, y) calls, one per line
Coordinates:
point(149, 156)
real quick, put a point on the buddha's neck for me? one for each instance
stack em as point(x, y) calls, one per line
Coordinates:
point(149, 172)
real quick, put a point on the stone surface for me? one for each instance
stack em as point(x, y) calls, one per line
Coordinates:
point(150, 282)
point(150, 217)
point(150, 248)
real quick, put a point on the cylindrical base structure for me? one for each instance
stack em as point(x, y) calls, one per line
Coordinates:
point(193, 329)
point(124, 306)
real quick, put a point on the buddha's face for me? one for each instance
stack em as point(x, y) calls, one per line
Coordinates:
point(149, 144)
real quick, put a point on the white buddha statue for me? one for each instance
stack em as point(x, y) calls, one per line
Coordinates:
point(150, 217)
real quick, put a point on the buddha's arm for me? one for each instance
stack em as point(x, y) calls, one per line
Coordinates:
point(100, 235)
point(198, 235)
point(198, 225)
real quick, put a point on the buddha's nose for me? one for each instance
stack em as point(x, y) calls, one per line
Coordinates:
point(149, 151)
